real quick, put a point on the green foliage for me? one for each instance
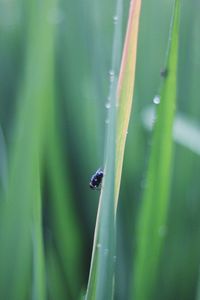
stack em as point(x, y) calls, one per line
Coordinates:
point(152, 218)
point(55, 58)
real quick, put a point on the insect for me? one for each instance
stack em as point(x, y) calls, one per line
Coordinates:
point(96, 179)
point(164, 73)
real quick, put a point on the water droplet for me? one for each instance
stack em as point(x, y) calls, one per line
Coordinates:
point(99, 246)
point(107, 121)
point(156, 99)
point(114, 258)
point(112, 75)
point(108, 105)
point(115, 19)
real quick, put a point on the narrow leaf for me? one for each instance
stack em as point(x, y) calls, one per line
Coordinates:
point(101, 280)
point(21, 235)
point(152, 219)
point(125, 88)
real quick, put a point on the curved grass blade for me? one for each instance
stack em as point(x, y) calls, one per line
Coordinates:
point(101, 277)
point(101, 280)
point(125, 88)
point(152, 219)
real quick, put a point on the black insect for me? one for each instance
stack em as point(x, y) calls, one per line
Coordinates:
point(96, 179)
point(164, 73)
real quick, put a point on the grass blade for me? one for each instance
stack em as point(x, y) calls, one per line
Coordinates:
point(153, 214)
point(21, 229)
point(101, 279)
point(3, 162)
point(126, 87)
point(39, 282)
point(66, 233)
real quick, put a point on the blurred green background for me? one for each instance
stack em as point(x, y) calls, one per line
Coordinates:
point(55, 58)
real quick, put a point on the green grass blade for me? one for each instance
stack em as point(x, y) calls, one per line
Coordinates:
point(21, 252)
point(39, 282)
point(67, 235)
point(3, 162)
point(125, 88)
point(101, 280)
point(153, 214)
point(57, 287)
